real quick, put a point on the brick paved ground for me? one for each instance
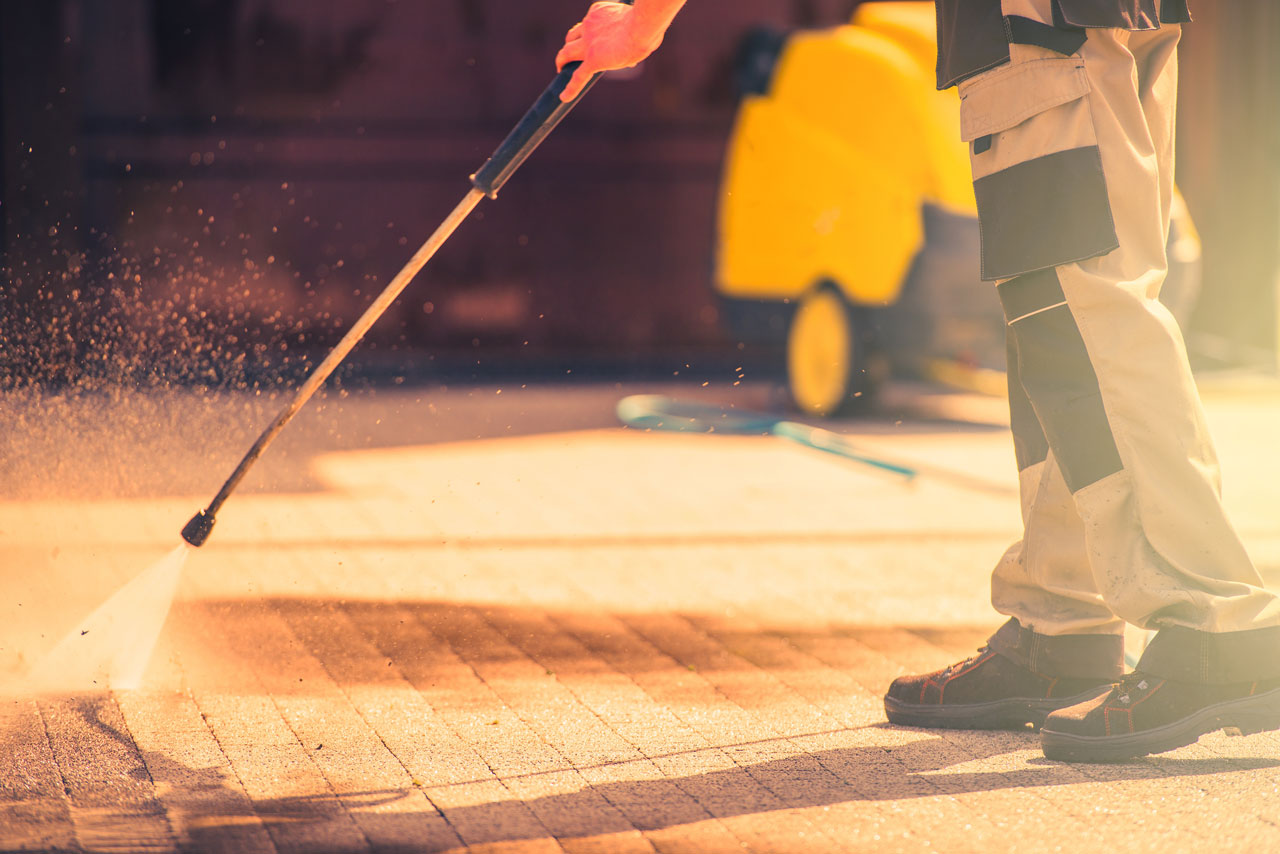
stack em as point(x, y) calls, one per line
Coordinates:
point(445, 620)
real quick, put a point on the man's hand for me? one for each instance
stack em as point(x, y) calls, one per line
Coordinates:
point(614, 35)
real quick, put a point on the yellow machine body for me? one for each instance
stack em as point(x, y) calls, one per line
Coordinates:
point(828, 171)
point(847, 221)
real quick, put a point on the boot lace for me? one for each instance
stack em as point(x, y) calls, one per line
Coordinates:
point(982, 650)
point(1128, 684)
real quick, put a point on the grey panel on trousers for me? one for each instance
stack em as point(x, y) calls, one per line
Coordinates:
point(971, 39)
point(1029, 294)
point(1058, 377)
point(1029, 443)
point(1048, 211)
point(1125, 14)
point(1022, 30)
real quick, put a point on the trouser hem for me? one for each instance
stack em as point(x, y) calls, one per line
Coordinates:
point(1061, 656)
point(1213, 658)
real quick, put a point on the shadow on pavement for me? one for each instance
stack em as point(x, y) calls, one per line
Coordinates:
point(450, 653)
point(369, 642)
point(813, 779)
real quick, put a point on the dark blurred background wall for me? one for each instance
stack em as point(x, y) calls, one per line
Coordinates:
point(1229, 171)
point(229, 181)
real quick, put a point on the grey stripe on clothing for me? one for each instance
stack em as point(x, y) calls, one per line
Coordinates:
point(1057, 375)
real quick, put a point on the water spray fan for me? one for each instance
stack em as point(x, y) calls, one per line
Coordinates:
point(539, 121)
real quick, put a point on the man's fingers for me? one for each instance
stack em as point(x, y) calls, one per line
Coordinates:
point(571, 52)
point(579, 79)
point(602, 26)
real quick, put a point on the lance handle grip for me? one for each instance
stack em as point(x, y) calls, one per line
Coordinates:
point(541, 119)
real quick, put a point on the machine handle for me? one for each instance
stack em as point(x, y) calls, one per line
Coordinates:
point(541, 119)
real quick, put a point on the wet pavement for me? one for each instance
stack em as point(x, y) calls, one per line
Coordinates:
point(493, 620)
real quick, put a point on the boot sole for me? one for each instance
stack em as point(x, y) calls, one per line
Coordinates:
point(1010, 713)
point(1245, 716)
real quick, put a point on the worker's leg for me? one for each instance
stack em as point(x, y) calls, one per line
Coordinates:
point(1044, 580)
point(1085, 185)
point(1059, 625)
point(1104, 367)
point(1062, 643)
point(1073, 163)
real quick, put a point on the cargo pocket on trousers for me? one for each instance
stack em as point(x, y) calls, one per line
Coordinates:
point(1042, 196)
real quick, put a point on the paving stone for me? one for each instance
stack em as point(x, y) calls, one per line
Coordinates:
point(35, 813)
point(113, 802)
point(202, 797)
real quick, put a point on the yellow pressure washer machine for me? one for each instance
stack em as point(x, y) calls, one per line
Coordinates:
point(847, 224)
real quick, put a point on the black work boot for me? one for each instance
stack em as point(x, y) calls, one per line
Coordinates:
point(988, 691)
point(1186, 684)
point(1146, 714)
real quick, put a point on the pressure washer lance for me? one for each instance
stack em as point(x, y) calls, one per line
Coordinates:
point(541, 119)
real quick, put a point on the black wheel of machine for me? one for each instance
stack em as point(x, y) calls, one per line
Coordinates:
point(832, 362)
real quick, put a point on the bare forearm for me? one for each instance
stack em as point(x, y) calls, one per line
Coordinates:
point(653, 17)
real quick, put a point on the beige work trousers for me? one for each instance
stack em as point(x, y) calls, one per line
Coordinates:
point(1073, 166)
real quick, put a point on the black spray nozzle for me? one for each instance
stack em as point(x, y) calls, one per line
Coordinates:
point(198, 529)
